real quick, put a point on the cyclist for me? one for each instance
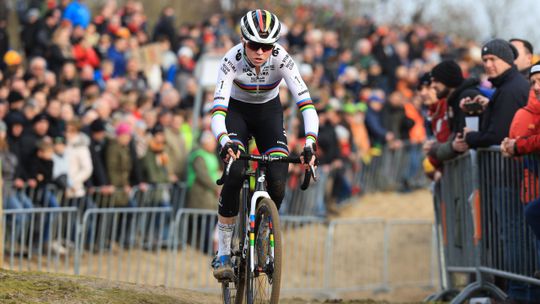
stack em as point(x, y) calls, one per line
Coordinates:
point(246, 103)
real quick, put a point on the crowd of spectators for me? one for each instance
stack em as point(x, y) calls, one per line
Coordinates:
point(116, 119)
point(105, 101)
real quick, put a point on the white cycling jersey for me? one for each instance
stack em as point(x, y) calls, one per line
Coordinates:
point(237, 79)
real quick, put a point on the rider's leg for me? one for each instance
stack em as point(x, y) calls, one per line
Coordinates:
point(229, 202)
point(277, 178)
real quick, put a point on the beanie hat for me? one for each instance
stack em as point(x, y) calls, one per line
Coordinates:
point(502, 49)
point(535, 68)
point(98, 125)
point(448, 73)
point(11, 58)
point(15, 96)
point(123, 128)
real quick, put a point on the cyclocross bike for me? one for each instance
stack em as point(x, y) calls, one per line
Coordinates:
point(256, 243)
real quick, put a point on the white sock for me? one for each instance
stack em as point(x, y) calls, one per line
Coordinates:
point(225, 232)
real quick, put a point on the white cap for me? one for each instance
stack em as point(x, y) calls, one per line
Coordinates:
point(185, 51)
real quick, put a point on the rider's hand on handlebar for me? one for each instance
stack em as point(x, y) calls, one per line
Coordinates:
point(309, 155)
point(229, 150)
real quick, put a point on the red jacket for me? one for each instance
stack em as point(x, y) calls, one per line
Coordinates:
point(526, 126)
point(437, 112)
point(439, 120)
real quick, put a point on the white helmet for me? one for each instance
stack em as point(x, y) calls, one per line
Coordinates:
point(260, 26)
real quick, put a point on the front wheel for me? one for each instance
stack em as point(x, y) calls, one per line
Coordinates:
point(263, 284)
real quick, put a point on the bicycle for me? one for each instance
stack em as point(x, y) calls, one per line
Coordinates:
point(256, 238)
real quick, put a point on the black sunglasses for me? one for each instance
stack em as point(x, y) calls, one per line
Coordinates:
point(255, 46)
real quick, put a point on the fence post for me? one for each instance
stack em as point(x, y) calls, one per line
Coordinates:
point(386, 254)
point(328, 256)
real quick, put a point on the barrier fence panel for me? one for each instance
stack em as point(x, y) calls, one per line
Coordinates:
point(458, 228)
point(147, 245)
point(125, 244)
point(394, 169)
point(193, 247)
point(483, 196)
point(508, 185)
point(410, 260)
point(39, 239)
point(304, 259)
point(357, 255)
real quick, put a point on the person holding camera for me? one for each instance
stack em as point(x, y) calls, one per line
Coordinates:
point(450, 87)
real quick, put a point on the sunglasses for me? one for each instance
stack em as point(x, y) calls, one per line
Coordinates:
point(255, 46)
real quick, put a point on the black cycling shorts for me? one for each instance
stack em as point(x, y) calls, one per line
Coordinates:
point(265, 123)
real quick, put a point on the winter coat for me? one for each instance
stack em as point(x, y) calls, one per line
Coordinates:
point(80, 164)
point(511, 94)
point(99, 173)
point(526, 126)
point(202, 175)
point(455, 118)
point(119, 164)
point(177, 151)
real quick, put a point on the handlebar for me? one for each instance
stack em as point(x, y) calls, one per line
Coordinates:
point(266, 159)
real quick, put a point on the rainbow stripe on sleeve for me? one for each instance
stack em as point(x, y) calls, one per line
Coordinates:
point(305, 104)
point(221, 135)
point(219, 110)
point(311, 135)
point(277, 151)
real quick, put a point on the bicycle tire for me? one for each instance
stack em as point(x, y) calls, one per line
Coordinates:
point(263, 285)
point(233, 291)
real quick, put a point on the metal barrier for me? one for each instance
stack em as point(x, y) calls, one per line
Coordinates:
point(394, 169)
point(479, 210)
point(124, 244)
point(39, 239)
point(147, 245)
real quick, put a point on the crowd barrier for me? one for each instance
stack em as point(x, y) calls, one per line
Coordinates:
point(480, 224)
point(392, 169)
point(157, 246)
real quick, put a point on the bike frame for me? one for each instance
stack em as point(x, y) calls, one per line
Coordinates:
point(260, 192)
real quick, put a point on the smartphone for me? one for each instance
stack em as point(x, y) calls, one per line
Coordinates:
point(473, 107)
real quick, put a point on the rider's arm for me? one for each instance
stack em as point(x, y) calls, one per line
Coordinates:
point(300, 93)
point(222, 94)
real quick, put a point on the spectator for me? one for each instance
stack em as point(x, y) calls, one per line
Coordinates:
point(450, 88)
point(119, 165)
point(512, 92)
point(394, 119)
point(117, 55)
point(60, 173)
point(176, 147)
point(29, 30)
point(61, 50)
point(80, 164)
point(98, 148)
point(523, 139)
point(13, 198)
point(165, 27)
point(203, 171)
point(45, 32)
point(523, 61)
point(378, 134)
point(155, 160)
point(77, 13)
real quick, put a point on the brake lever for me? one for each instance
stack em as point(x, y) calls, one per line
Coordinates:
point(312, 169)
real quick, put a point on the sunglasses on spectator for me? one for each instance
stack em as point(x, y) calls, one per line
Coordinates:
point(255, 46)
